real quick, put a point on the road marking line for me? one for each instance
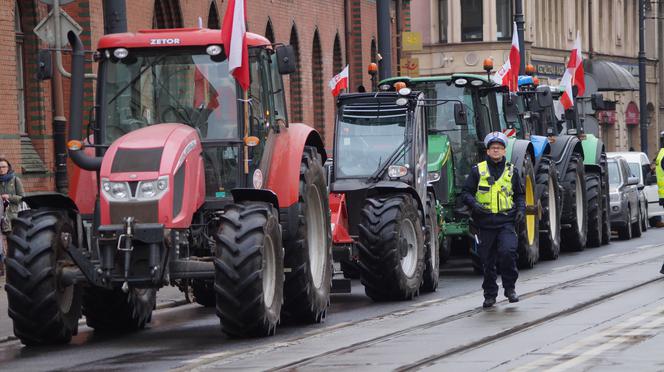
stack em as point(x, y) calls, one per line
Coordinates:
point(587, 355)
point(540, 363)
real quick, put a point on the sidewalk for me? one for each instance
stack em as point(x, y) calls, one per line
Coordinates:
point(166, 297)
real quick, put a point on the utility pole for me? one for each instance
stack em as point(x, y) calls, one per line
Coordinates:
point(384, 39)
point(518, 18)
point(115, 16)
point(643, 102)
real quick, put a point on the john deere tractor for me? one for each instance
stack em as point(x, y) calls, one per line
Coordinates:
point(468, 108)
point(384, 218)
point(182, 179)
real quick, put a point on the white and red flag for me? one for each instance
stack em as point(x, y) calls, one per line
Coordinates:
point(339, 82)
point(233, 35)
point(508, 75)
point(574, 75)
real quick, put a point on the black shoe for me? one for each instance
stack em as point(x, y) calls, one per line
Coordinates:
point(511, 295)
point(489, 302)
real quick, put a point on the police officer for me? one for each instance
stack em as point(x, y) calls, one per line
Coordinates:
point(494, 192)
point(659, 170)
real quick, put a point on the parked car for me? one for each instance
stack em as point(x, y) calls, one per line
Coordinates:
point(624, 199)
point(639, 166)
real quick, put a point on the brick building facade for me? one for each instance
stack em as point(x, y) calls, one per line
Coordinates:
point(327, 35)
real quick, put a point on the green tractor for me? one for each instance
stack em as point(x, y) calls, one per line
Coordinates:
point(467, 108)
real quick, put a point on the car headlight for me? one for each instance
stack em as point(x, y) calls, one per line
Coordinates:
point(115, 190)
point(151, 190)
point(433, 176)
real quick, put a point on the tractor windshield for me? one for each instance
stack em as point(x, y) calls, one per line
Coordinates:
point(156, 86)
point(367, 136)
point(440, 119)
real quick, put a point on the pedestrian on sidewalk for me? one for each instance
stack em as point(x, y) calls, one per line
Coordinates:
point(11, 195)
point(495, 195)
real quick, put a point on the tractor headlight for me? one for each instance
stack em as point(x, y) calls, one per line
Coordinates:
point(433, 176)
point(152, 190)
point(396, 171)
point(115, 190)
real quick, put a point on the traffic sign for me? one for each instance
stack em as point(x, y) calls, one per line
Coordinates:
point(45, 30)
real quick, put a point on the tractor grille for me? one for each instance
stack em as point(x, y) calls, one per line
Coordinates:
point(143, 212)
point(373, 111)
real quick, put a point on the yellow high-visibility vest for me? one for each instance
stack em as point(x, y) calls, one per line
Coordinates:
point(497, 197)
point(660, 173)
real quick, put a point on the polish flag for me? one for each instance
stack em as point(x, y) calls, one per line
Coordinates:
point(508, 75)
point(339, 82)
point(574, 75)
point(233, 35)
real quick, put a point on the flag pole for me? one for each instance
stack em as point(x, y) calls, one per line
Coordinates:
point(246, 130)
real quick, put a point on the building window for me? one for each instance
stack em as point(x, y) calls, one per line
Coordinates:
point(20, 81)
point(442, 20)
point(504, 19)
point(471, 20)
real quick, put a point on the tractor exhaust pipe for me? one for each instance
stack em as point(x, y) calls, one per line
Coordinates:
point(76, 106)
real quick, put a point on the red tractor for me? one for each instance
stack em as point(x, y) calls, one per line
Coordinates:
point(183, 179)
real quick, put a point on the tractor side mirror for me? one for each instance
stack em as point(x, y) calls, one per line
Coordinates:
point(286, 60)
point(45, 65)
point(544, 97)
point(510, 108)
point(460, 115)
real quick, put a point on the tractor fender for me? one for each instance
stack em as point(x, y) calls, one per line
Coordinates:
point(384, 187)
point(541, 146)
point(284, 168)
point(592, 153)
point(519, 149)
point(562, 149)
point(50, 200)
point(264, 195)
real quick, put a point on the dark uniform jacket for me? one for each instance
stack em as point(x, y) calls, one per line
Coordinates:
point(493, 220)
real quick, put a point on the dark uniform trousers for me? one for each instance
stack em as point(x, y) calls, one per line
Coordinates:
point(498, 247)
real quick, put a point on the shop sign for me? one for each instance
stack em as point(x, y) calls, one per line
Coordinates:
point(632, 114)
point(544, 68)
point(606, 116)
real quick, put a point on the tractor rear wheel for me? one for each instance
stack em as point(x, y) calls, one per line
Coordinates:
point(249, 270)
point(113, 310)
point(44, 309)
point(594, 194)
point(549, 197)
point(528, 229)
point(432, 252)
point(391, 247)
point(308, 248)
point(575, 206)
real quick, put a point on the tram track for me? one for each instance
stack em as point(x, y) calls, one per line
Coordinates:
point(230, 357)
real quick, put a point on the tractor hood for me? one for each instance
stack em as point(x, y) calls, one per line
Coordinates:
point(146, 174)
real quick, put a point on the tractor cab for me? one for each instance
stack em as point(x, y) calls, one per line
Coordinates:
point(380, 164)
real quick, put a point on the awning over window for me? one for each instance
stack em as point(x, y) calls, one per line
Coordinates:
point(609, 76)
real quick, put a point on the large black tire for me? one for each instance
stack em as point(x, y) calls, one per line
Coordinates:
point(445, 248)
point(203, 291)
point(625, 231)
point(391, 267)
point(575, 206)
point(606, 219)
point(549, 197)
point(528, 229)
point(249, 270)
point(636, 226)
point(431, 273)
point(309, 246)
point(44, 312)
point(594, 195)
point(113, 310)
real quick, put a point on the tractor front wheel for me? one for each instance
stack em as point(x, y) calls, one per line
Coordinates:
point(114, 310)
point(595, 213)
point(308, 248)
point(549, 197)
point(575, 206)
point(391, 247)
point(528, 229)
point(45, 310)
point(249, 270)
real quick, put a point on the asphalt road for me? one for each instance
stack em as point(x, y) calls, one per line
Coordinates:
point(607, 303)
